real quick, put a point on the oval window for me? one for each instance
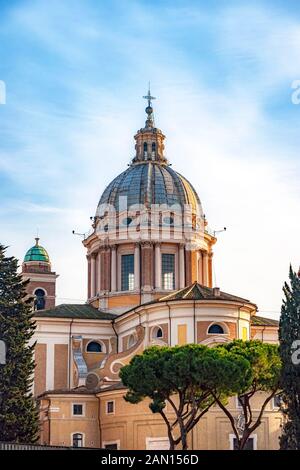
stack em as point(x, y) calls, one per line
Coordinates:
point(127, 221)
point(168, 220)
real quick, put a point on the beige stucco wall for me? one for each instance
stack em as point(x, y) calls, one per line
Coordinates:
point(133, 424)
point(130, 426)
point(40, 358)
point(53, 338)
point(58, 415)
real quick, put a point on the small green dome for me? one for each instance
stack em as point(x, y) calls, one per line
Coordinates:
point(37, 253)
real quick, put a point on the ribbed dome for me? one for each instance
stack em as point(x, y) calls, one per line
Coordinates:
point(149, 183)
point(37, 253)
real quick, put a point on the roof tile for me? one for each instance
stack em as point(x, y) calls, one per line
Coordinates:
point(80, 311)
point(198, 292)
point(262, 321)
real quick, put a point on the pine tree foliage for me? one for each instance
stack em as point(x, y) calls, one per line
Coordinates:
point(18, 413)
point(185, 379)
point(289, 336)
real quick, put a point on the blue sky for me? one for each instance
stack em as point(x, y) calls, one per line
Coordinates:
point(75, 72)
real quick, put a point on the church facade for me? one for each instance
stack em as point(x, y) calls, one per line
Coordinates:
point(149, 259)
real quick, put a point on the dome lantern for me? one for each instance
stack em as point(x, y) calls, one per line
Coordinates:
point(149, 139)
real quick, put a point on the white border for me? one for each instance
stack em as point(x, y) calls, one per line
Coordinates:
point(133, 336)
point(106, 406)
point(42, 288)
point(159, 439)
point(222, 325)
point(156, 327)
point(72, 409)
point(275, 407)
point(124, 250)
point(83, 438)
point(233, 436)
point(103, 347)
point(105, 443)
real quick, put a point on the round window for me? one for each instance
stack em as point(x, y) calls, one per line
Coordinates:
point(127, 221)
point(168, 220)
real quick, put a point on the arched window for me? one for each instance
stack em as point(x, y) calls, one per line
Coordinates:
point(94, 346)
point(216, 329)
point(131, 341)
point(40, 301)
point(153, 148)
point(77, 440)
point(157, 333)
point(145, 149)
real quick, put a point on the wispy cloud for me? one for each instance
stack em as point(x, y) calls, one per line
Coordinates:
point(75, 72)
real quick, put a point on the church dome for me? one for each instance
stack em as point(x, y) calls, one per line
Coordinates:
point(37, 253)
point(149, 183)
point(149, 233)
point(149, 180)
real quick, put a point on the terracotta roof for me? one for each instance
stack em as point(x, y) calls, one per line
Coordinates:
point(262, 321)
point(115, 386)
point(198, 292)
point(193, 292)
point(82, 390)
point(81, 311)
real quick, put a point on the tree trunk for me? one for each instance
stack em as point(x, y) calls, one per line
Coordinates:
point(184, 442)
point(172, 446)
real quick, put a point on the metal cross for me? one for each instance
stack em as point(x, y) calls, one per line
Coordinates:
point(149, 97)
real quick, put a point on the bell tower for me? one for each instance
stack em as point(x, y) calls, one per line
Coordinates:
point(36, 268)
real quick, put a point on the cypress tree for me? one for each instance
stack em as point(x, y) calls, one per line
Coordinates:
point(18, 412)
point(289, 336)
